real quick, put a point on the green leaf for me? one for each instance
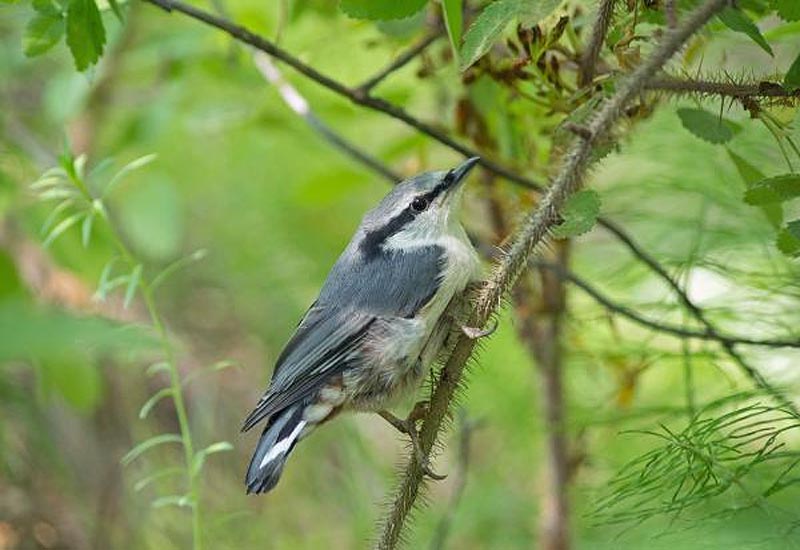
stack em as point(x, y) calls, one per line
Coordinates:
point(491, 22)
point(117, 10)
point(61, 227)
point(133, 284)
point(788, 10)
point(86, 229)
point(775, 189)
point(75, 378)
point(200, 457)
point(752, 175)
point(173, 500)
point(155, 476)
point(42, 33)
point(381, 9)
point(132, 166)
point(86, 34)
point(148, 444)
point(579, 213)
point(738, 21)
point(153, 401)
point(788, 240)
point(452, 10)
point(792, 79)
point(706, 125)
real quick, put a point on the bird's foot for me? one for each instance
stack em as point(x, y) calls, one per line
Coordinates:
point(475, 333)
point(408, 426)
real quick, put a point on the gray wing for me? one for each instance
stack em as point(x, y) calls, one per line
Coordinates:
point(328, 339)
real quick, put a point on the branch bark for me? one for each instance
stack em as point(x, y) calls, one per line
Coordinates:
point(505, 273)
point(760, 90)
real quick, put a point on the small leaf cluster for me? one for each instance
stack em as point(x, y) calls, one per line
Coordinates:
point(78, 22)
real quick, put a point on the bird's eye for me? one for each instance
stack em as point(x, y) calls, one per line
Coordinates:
point(419, 204)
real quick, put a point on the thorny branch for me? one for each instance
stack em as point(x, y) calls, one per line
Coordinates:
point(568, 180)
point(762, 90)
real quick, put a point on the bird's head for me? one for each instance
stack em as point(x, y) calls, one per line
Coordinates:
point(416, 212)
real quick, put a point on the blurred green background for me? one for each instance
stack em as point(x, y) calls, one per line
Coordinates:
point(242, 177)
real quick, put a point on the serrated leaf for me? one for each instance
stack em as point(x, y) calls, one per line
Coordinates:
point(61, 227)
point(788, 10)
point(452, 11)
point(148, 444)
point(155, 476)
point(42, 32)
point(787, 241)
point(532, 13)
point(775, 189)
point(579, 213)
point(737, 20)
point(153, 401)
point(706, 125)
point(133, 283)
point(381, 9)
point(86, 35)
point(132, 166)
point(483, 32)
point(792, 79)
point(172, 500)
point(752, 175)
point(200, 457)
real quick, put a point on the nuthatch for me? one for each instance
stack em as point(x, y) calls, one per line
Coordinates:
point(379, 322)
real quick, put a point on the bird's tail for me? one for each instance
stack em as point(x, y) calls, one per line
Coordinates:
point(277, 441)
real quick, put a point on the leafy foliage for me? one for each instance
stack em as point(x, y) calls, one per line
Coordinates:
point(708, 458)
point(381, 9)
point(580, 214)
point(44, 30)
point(707, 126)
point(86, 35)
point(737, 20)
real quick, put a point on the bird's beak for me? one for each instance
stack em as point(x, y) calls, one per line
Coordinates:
point(459, 173)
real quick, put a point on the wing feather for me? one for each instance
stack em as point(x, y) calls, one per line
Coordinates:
point(355, 295)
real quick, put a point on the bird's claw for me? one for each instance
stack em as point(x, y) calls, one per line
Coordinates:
point(408, 426)
point(475, 333)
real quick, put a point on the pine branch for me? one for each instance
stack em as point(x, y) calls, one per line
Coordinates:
point(534, 229)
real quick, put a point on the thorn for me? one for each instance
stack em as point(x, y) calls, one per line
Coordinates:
point(474, 333)
point(408, 426)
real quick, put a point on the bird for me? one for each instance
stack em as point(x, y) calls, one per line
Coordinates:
point(381, 319)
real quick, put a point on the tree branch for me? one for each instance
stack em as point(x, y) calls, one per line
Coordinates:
point(675, 330)
point(568, 180)
point(401, 61)
point(592, 53)
point(297, 103)
point(761, 90)
point(699, 314)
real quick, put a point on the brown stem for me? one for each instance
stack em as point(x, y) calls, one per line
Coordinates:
point(540, 314)
point(760, 90)
point(590, 56)
point(401, 61)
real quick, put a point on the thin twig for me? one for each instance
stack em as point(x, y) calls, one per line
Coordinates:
point(699, 314)
point(591, 54)
point(401, 61)
point(532, 232)
point(675, 330)
point(297, 103)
